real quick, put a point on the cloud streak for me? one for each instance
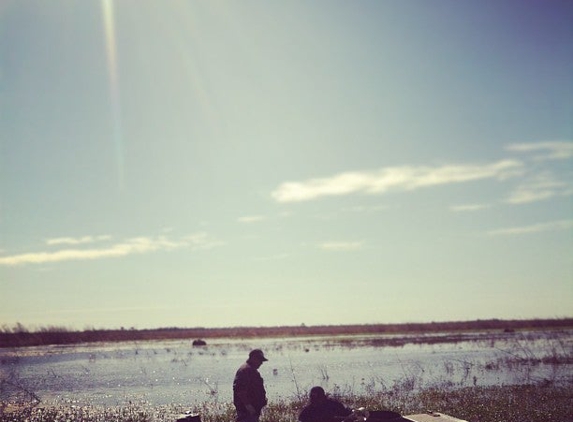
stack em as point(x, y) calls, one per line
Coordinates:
point(138, 245)
point(405, 178)
point(77, 240)
point(547, 150)
point(469, 207)
point(251, 219)
point(538, 188)
point(534, 228)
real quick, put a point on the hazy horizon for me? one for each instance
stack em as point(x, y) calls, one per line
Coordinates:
point(438, 326)
point(216, 164)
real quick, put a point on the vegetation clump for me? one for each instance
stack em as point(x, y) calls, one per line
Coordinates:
point(509, 403)
point(526, 398)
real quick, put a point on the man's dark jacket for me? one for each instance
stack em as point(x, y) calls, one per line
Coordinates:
point(249, 381)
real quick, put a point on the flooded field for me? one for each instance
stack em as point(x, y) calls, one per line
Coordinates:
point(167, 372)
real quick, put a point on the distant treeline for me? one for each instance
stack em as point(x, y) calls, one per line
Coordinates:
point(19, 336)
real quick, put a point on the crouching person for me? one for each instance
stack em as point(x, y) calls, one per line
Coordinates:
point(322, 408)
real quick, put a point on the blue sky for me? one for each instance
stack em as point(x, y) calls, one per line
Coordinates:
point(222, 163)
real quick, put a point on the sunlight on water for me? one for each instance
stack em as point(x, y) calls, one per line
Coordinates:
point(164, 372)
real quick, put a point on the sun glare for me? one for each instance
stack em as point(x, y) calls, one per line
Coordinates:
point(111, 54)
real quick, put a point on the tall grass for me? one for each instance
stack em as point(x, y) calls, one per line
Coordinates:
point(532, 403)
point(528, 399)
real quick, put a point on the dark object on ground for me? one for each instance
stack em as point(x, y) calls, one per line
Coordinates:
point(199, 342)
point(384, 415)
point(189, 417)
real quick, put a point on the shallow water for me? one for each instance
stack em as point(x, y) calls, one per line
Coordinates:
point(169, 372)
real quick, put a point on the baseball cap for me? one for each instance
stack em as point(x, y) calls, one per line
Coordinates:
point(257, 354)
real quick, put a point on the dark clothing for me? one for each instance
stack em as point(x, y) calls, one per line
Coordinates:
point(246, 417)
point(248, 388)
point(324, 411)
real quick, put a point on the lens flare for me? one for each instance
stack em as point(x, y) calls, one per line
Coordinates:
point(111, 54)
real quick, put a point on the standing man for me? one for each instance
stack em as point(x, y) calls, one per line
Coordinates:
point(249, 395)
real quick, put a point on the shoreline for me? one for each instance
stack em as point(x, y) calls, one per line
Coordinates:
point(61, 336)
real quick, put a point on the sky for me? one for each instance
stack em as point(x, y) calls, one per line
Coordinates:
point(270, 163)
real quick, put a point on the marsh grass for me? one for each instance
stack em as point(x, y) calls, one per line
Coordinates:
point(528, 399)
point(518, 403)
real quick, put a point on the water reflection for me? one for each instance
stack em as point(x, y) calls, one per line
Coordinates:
point(169, 372)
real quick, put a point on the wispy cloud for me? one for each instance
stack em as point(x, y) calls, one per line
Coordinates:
point(557, 150)
point(539, 187)
point(366, 209)
point(201, 241)
point(250, 219)
point(534, 228)
point(76, 240)
point(469, 207)
point(396, 178)
point(138, 245)
point(340, 246)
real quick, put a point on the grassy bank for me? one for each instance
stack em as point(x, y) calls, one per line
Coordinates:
point(532, 403)
point(20, 336)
